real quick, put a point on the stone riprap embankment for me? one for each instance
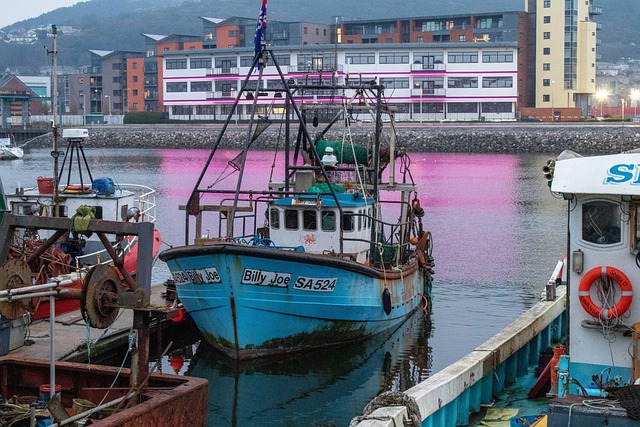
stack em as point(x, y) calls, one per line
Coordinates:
point(429, 138)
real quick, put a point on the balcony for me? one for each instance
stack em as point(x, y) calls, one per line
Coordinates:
point(428, 92)
point(225, 94)
point(224, 71)
point(428, 67)
point(306, 69)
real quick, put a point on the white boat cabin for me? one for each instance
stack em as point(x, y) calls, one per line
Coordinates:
point(603, 194)
point(312, 222)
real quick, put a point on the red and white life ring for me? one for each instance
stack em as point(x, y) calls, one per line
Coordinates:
point(614, 274)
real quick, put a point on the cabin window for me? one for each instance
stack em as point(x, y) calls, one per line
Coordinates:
point(370, 216)
point(347, 221)
point(98, 212)
point(359, 221)
point(310, 219)
point(601, 223)
point(328, 221)
point(291, 219)
point(274, 218)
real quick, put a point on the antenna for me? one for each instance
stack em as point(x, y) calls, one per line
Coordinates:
point(54, 106)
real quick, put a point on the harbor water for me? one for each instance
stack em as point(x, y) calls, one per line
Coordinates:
point(498, 233)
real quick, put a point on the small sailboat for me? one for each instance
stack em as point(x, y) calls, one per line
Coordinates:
point(10, 151)
point(319, 259)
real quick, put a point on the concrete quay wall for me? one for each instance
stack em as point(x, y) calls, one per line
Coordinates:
point(454, 139)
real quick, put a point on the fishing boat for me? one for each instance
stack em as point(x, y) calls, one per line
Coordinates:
point(71, 255)
point(66, 258)
point(319, 258)
point(10, 151)
point(588, 318)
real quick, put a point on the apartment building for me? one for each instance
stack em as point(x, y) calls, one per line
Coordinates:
point(565, 53)
point(425, 81)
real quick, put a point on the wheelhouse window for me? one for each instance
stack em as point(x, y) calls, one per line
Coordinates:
point(328, 221)
point(348, 221)
point(274, 218)
point(601, 222)
point(291, 219)
point(310, 220)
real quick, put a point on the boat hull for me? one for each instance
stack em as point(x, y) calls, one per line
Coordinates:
point(253, 301)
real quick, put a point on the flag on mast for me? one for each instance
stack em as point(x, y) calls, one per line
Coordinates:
point(260, 27)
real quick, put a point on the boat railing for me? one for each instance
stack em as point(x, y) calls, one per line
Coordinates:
point(388, 246)
point(145, 202)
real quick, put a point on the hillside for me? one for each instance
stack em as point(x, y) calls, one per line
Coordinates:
point(118, 24)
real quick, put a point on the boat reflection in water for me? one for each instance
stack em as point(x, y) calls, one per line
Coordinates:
point(316, 388)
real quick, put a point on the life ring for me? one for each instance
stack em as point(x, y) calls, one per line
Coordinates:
point(614, 274)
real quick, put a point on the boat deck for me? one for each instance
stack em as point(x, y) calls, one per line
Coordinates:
point(71, 334)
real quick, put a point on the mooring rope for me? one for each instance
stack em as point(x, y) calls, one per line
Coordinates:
point(391, 398)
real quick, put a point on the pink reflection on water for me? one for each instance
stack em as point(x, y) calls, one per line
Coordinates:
point(470, 202)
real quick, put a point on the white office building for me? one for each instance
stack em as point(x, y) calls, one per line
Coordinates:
point(424, 81)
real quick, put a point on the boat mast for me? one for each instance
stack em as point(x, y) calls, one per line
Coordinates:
point(54, 106)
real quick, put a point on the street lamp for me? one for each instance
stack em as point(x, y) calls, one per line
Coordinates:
point(419, 86)
point(622, 111)
point(84, 108)
point(233, 96)
point(635, 97)
point(601, 95)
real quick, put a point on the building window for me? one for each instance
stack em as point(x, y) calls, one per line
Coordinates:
point(135, 92)
point(546, 82)
point(324, 32)
point(493, 82)
point(200, 63)
point(233, 33)
point(488, 57)
point(546, 20)
point(134, 65)
point(176, 64)
point(420, 40)
point(181, 110)
point(545, 98)
point(201, 86)
point(546, 51)
point(394, 83)
point(546, 66)
point(394, 58)
point(177, 87)
point(462, 82)
point(317, 31)
point(305, 30)
point(463, 107)
point(497, 107)
point(547, 4)
point(360, 58)
point(463, 57)
point(134, 79)
point(462, 38)
point(546, 35)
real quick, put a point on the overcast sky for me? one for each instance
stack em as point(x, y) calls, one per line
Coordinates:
point(16, 10)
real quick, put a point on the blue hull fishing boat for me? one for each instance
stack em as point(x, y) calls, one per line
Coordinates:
point(589, 318)
point(334, 252)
